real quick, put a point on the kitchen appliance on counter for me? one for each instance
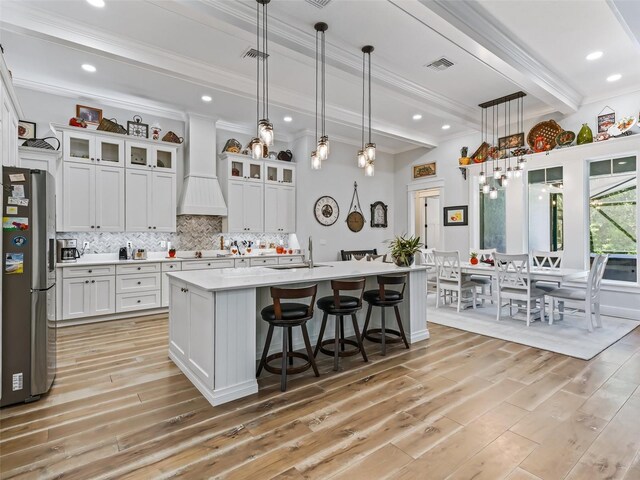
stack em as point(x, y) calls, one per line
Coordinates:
point(28, 285)
point(67, 250)
point(139, 254)
point(123, 254)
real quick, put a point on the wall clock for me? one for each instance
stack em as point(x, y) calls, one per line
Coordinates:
point(355, 219)
point(137, 128)
point(378, 215)
point(326, 211)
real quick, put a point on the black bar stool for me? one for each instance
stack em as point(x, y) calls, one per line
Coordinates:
point(287, 316)
point(341, 305)
point(386, 298)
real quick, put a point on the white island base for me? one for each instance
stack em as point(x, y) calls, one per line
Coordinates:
point(216, 333)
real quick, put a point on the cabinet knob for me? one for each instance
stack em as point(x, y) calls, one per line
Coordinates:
point(154, 166)
point(93, 281)
point(149, 166)
point(139, 283)
point(92, 159)
point(97, 159)
point(138, 301)
point(170, 266)
point(149, 227)
point(154, 228)
point(208, 264)
point(186, 289)
point(139, 268)
point(90, 271)
point(98, 226)
point(92, 226)
point(86, 281)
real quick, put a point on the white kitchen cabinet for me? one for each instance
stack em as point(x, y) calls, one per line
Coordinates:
point(93, 198)
point(39, 159)
point(201, 334)
point(279, 208)
point(146, 156)
point(88, 297)
point(241, 168)
point(279, 172)
point(168, 267)
point(244, 207)
point(128, 302)
point(87, 147)
point(179, 302)
point(150, 201)
point(9, 129)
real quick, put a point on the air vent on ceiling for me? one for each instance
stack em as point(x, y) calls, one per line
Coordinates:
point(253, 53)
point(440, 64)
point(319, 3)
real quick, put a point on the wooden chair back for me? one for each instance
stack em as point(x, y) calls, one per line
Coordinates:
point(448, 266)
point(347, 286)
point(347, 254)
point(595, 276)
point(278, 293)
point(512, 271)
point(543, 259)
point(384, 280)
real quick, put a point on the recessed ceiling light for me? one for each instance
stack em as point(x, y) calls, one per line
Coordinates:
point(417, 116)
point(88, 68)
point(446, 127)
point(594, 55)
point(614, 78)
point(206, 98)
point(96, 3)
point(288, 119)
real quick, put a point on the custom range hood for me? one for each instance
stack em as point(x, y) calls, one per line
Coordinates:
point(201, 193)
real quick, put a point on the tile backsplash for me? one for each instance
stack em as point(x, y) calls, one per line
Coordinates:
point(194, 232)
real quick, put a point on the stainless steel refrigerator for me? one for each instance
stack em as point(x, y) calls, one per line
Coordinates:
point(28, 284)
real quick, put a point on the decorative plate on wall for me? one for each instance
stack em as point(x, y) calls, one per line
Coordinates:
point(326, 211)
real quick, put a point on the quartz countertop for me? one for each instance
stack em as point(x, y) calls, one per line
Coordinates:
point(239, 278)
point(155, 257)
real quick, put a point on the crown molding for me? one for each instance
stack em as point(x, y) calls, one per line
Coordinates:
point(471, 27)
point(134, 104)
point(634, 37)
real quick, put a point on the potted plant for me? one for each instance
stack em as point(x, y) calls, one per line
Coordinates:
point(172, 252)
point(474, 258)
point(403, 249)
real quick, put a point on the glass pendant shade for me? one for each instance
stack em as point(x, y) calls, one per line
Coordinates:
point(256, 148)
point(316, 162)
point(323, 148)
point(509, 172)
point(522, 163)
point(362, 159)
point(369, 169)
point(497, 173)
point(265, 132)
point(517, 173)
point(485, 188)
point(504, 180)
point(370, 151)
point(493, 193)
point(482, 178)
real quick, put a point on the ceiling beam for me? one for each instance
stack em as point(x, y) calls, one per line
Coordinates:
point(471, 27)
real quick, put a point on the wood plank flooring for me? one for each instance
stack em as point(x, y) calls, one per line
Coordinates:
point(458, 406)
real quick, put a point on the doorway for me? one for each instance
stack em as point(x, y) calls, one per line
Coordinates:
point(428, 221)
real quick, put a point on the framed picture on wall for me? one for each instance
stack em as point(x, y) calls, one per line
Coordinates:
point(89, 114)
point(26, 130)
point(605, 121)
point(456, 216)
point(424, 170)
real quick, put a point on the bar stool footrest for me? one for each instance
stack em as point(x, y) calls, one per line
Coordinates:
point(341, 353)
point(290, 370)
point(397, 337)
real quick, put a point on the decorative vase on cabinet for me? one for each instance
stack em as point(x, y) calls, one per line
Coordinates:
point(585, 135)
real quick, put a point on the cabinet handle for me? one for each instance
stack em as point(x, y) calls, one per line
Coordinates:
point(98, 226)
point(139, 283)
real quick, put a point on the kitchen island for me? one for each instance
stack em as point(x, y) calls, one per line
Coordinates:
point(216, 333)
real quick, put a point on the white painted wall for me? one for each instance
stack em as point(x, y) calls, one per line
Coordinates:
point(336, 179)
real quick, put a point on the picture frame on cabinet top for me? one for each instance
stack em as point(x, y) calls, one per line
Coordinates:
point(26, 130)
point(89, 114)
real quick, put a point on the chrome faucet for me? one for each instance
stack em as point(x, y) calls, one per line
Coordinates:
point(310, 252)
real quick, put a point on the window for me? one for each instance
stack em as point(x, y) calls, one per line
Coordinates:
point(613, 216)
point(546, 210)
point(492, 219)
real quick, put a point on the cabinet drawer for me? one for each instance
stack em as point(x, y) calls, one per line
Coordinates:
point(93, 271)
point(290, 259)
point(137, 283)
point(204, 264)
point(259, 262)
point(142, 268)
point(243, 262)
point(126, 302)
point(171, 266)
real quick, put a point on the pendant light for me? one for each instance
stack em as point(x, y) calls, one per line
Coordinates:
point(323, 142)
point(370, 147)
point(265, 133)
point(362, 156)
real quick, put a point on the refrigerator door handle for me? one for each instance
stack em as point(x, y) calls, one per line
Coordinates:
point(52, 254)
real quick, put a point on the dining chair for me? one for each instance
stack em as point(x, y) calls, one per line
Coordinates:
point(484, 281)
point(514, 282)
point(429, 261)
point(589, 296)
point(449, 277)
point(552, 260)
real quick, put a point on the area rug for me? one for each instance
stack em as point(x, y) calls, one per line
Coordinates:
point(568, 337)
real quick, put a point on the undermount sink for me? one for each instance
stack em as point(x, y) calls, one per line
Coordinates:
point(294, 266)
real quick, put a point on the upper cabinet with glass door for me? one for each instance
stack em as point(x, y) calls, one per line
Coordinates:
point(86, 147)
point(147, 156)
point(242, 167)
point(280, 172)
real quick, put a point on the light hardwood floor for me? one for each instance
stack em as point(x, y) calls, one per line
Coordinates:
point(457, 406)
